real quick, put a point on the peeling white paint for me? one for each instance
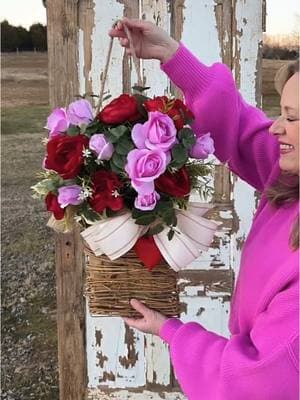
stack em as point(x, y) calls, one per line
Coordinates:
point(156, 12)
point(200, 33)
point(207, 312)
point(106, 13)
point(249, 17)
point(97, 394)
point(226, 214)
point(158, 361)
point(80, 65)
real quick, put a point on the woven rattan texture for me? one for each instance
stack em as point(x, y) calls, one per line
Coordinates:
point(110, 285)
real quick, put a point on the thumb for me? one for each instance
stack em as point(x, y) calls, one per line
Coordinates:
point(139, 306)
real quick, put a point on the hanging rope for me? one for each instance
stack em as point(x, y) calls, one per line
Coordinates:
point(135, 59)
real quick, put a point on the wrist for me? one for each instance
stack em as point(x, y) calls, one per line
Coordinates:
point(169, 51)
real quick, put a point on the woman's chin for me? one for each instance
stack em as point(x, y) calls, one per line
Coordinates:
point(289, 166)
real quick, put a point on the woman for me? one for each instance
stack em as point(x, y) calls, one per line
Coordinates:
point(260, 360)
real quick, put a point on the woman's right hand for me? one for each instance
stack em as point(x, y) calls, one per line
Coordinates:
point(148, 40)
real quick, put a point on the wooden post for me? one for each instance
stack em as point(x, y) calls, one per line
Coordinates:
point(62, 17)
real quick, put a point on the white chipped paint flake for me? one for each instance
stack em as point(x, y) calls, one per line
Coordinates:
point(97, 394)
point(81, 78)
point(200, 33)
point(212, 313)
point(156, 12)
point(113, 350)
point(158, 361)
point(249, 22)
point(106, 13)
point(226, 214)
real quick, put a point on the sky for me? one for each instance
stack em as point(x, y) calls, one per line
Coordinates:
point(281, 18)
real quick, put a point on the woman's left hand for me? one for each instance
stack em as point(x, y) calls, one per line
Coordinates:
point(150, 322)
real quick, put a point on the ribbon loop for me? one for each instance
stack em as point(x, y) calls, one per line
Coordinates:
point(116, 236)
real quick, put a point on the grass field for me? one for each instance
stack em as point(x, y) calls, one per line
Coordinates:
point(29, 339)
point(29, 344)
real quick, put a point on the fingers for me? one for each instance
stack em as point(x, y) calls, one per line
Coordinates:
point(140, 307)
point(135, 323)
point(114, 32)
point(133, 23)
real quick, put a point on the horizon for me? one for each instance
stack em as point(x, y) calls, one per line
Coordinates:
point(280, 20)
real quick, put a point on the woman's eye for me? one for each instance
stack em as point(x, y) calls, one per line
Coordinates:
point(291, 119)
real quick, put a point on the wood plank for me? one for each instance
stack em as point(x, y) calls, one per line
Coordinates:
point(62, 17)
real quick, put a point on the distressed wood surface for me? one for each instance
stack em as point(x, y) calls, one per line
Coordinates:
point(62, 19)
point(121, 362)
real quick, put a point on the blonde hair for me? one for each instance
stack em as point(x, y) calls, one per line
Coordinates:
point(286, 188)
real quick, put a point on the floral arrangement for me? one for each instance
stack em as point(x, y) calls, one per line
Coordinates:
point(137, 157)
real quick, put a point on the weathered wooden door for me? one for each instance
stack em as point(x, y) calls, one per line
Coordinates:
point(122, 363)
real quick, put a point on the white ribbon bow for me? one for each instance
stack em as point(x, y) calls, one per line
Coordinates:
point(115, 236)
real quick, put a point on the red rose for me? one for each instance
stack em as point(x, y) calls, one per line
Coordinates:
point(53, 206)
point(64, 154)
point(123, 108)
point(182, 114)
point(175, 109)
point(105, 191)
point(159, 103)
point(177, 184)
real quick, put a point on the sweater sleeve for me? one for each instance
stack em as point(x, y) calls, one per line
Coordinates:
point(259, 365)
point(240, 131)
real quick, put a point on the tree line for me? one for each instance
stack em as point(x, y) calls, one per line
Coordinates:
point(17, 38)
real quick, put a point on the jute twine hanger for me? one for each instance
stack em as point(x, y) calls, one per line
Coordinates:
point(136, 63)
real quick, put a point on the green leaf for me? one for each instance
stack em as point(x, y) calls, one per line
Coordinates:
point(145, 219)
point(92, 128)
point(171, 234)
point(119, 160)
point(140, 88)
point(179, 155)
point(115, 168)
point(140, 98)
point(124, 145)
point(118, 131)
point(73, 130)
point(169, 217)
point(163, 206)
point(156, 229)
point(136, 213)
point(187, 137)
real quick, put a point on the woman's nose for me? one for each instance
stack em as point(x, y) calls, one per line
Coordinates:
point(277, 128)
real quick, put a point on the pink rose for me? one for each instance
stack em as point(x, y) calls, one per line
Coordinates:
point(203, 147)
point(80, 112)
point(143, 167)
point(57, 122)
point(69, 195)
point(101, 146)
point(146, 202)
point(158, 132)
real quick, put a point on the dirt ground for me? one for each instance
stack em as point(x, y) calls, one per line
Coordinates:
point(29, 341)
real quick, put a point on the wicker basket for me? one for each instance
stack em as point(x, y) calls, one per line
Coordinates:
point(111, 284)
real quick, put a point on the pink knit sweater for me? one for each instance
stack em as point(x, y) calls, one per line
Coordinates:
point(260, 360)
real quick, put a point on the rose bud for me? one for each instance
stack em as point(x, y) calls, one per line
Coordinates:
point(203, 147)
point(175, 184)
point(80, 112)
point(146, 202)
point(123, 108)
point(69, 195)
point(53, 206)
point(101, 146)
point(57, 122)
